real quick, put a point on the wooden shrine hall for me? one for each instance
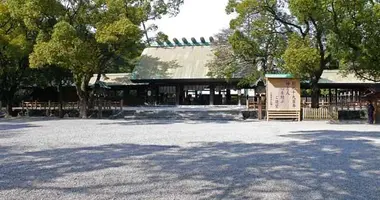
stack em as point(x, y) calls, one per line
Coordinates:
point(177, 74)
point(344, 90)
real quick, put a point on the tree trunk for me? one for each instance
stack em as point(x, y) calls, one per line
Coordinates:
point(315, 93)
point(9, 96)
point(82, 93)
point(60, 99)
point(9, 108)
point(83, 107)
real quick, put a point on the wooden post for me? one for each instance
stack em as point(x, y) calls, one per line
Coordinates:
point(49, 105)
point(46, 110)
point(354, 97)
point(100, 108)
point(121, 104)
point(27, 109)
point(330, 96)
point(336, 97)
point(228, 96)
point(22, 106)
point(177, 94)
point(212, 94)
point(260, 109)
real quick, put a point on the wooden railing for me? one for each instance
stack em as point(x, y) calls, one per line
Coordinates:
point(322, 113)
point(358, 105)
point(252, 104)
point(36, 105)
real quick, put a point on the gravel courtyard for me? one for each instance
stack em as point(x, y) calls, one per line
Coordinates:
point(103, 159)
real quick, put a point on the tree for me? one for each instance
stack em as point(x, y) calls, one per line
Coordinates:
point(356, 36)
point(258, 37)
point(154, 10)
point(15, 45)
point(227, 64)
point(300, 23)
point(86, 37)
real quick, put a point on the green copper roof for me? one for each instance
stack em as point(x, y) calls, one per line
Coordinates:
point(185, 42)
point(279, 76)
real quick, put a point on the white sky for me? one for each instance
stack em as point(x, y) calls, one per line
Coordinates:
point(197, 18)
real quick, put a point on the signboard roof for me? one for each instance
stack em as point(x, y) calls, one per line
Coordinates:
point(279, 76)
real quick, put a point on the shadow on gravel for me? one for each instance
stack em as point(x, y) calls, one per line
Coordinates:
point(13, 126)
point(20, 170)
point(168, 121)
point(328, 165)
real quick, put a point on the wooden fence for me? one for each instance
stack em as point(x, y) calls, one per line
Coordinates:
point(36, 105)
point(322, 113)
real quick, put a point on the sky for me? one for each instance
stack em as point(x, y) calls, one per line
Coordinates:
point(197, 18)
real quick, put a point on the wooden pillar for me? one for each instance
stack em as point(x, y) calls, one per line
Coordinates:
point(27, 110)
point(260, 109)
point(228, 97)
point(177, 95)
point(46, 110)
point(336, 97)
point(22, 106)
point(49, 105)
point(100, 108)
point(125, 95)
point(239, 97)
point(354, 99)
point(157, 94)
point(330, 96)
point(212, 94)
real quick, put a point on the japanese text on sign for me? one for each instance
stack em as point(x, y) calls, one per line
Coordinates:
point(284, 94)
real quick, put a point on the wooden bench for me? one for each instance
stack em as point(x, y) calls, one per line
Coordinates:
point(283, 115)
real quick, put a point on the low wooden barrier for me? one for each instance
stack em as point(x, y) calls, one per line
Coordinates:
point(316, 113)
point(35, 105)
point(283, 114)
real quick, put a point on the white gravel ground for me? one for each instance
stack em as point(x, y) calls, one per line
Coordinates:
point(102, 159)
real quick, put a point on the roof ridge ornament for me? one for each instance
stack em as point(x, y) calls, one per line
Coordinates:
point(184, 42)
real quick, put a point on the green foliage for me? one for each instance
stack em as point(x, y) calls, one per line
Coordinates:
point(227, 63)
point(65, 49)
point(15, 45)
point(301, 58)
point(356, 35)
point(258, 38)
point(286, 35)
point(78, 37)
